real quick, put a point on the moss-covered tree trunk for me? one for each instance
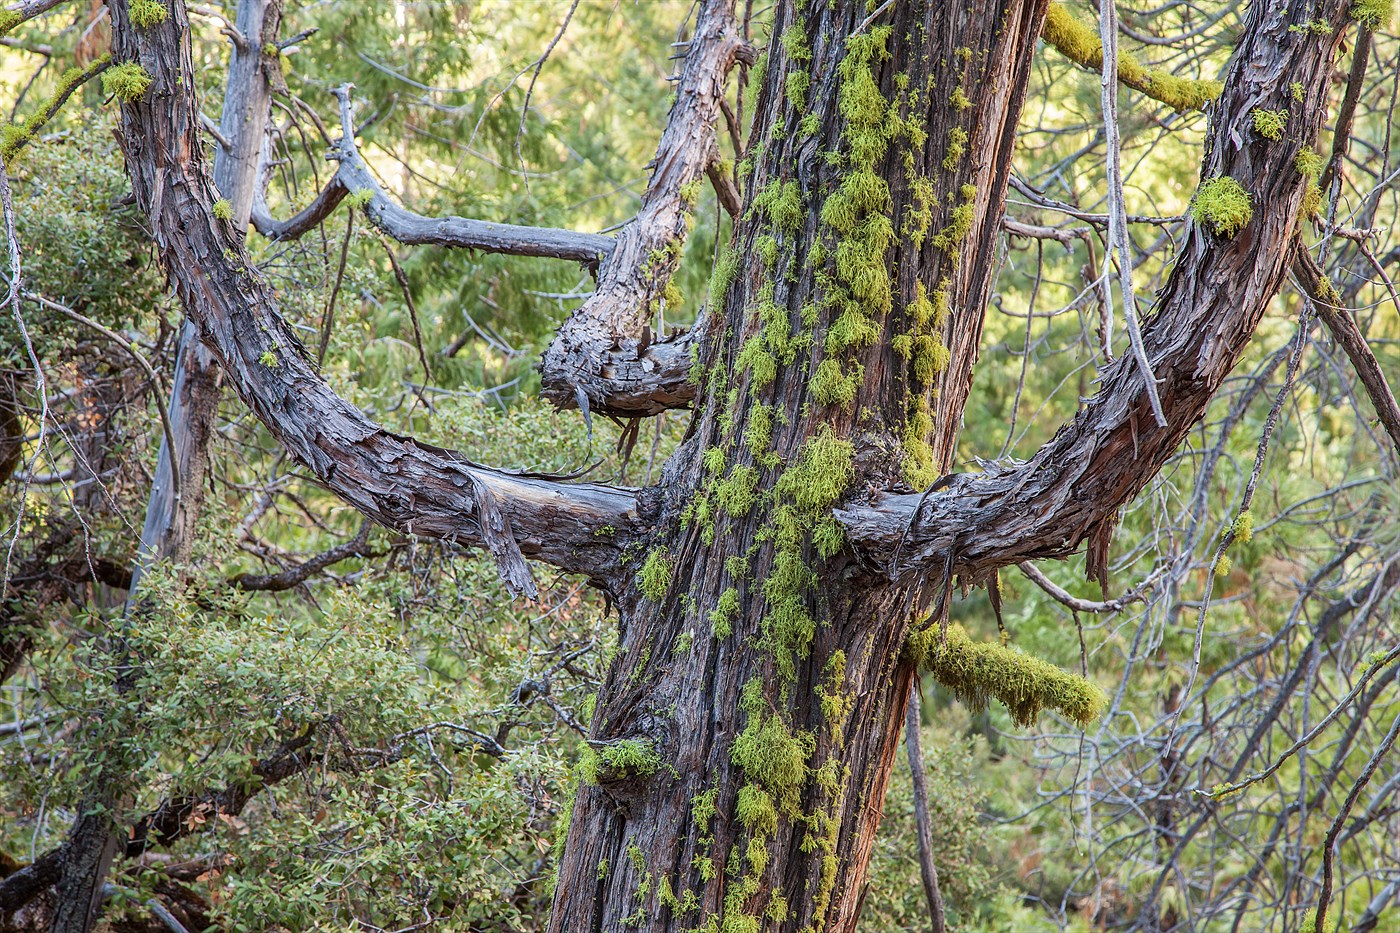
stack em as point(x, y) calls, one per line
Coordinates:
point(742, 743)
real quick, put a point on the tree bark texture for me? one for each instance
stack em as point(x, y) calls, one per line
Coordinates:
point(765, 677)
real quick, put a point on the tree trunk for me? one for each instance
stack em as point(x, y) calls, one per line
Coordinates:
point(743, 740)
point(177, 490)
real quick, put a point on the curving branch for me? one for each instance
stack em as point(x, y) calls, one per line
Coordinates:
point(353, 177)
point(1342, 325)
point(590, 362)
point(398, 481)
point(1218, 291)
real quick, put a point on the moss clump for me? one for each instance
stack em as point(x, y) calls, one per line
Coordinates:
point(832, 385)
point(769, 753)
point(822, 473)
point(725, 612)
point(1308, 162)
point(624, 758)
point(9, 19)
point(268, 359)
point(1223, 205)
point(959, 99)
point(1223, 566)
point(147, 13)
point(223, 209)
point(1296, 90)
point(959, 222)
point(654, 579)
point(359, 198)
point(1329, 923)
point(1269, 123)
point(1373, 14)
point(1026, 685)
point(726, 267)
point(1243, 527)
point(738, 493)
point(781, 201)
point(1082, 45)
point(957, 145)
point(795, 87)
point(127, 81)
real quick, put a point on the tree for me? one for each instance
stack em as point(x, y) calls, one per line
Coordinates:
point(779, 589)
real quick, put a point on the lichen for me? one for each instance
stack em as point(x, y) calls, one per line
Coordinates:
point(127, 81)
point(15, 137)
point(1026, 685)
point(1243, 527)
point(1269, 123)
point(1223, 205)
point(223, 209)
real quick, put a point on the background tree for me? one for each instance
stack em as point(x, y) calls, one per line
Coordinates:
point(781, 569)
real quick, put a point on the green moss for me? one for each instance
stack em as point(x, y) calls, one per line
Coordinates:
point(726, 267)
point(1223, 566)
point(16, 137)
point(1223, 205)
point(957, 145)
point(268, 359)
point(714, 460)
point(1296, 90)
point(624, 758)
point(1309, 925)
point(1318, 27)
point(823, 471)
point(1080, 44)
point(654, 579)
point(690, 193)
point(1026, 685)
point(766, 249)
point(1308, 162)
point(771, 754)
point(127, 81)
point(725, 612)
point(808, 126)
point(359, 198)
point(223, 209)
point(1373, 14)
point(9, 19)
point(781, 201)
point(833, 385)
point(758, 435)
point(959, 222)
point(602, 869)
point(147, 13)
point(1269, 123)
point(794, 40)
point(1243, 527)
point(738, 493)
point(795, 87)
point(683, 643)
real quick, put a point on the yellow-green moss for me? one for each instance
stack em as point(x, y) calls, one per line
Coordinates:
point(147, 13)
point(1081, 44)
point(957, 145)
point(9, 19)
point(16, 137)
point(1269, 123)
point(223, 209)
point(725, 612)
point(1243, 527)
point(959, 99)
point(1308, 162)
point(359, 198)
point(1223, 205)
point(624, 758)
point(738, 493)
point(1373, 14)
point(823, 471)
point(1296, 90)
point(795, 87)
point(726, 267)
point(1026, 685)
point(771, 754)
point(654, 579)
point(127, 81)
point(1223, 566)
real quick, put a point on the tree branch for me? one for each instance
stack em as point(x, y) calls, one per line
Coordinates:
point(611, 329)
point(354, 177)
point(1218, 291)
point(1345, 331)
point(400, 482)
